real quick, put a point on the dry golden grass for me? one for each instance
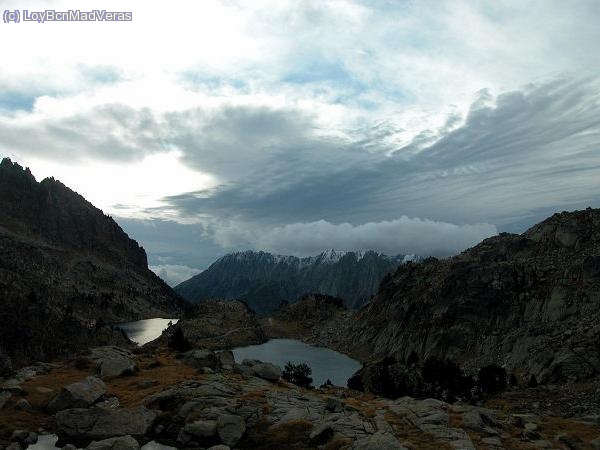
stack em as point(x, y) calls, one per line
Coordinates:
point(553, 426)
point(169, 371)
point(256, 395)
point(338, 443)
point(292, 435)
point(11, 419)
point(455, 420)
point(550, 426)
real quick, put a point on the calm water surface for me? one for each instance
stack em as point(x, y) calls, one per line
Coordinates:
point(144, 331)
point(325, 363)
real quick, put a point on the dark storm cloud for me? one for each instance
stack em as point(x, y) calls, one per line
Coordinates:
point(281, 177)
point(262, 144)
point(516, 153)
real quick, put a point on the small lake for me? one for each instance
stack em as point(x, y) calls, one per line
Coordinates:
point(143, 331)
point(326, 364)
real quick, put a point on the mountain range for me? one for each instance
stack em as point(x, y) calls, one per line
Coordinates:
point(264, 280)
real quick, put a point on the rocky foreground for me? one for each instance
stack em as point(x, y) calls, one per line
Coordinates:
point(111, 398)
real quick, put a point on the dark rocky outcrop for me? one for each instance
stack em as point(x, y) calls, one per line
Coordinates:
point(81, 394)
point(528, 303)
point(116, 443)
point(264, 280)
point(214, 324)
point(86, 425)
point(5, 364)
point(66, 271)
point(315, 318)
point(113, 361)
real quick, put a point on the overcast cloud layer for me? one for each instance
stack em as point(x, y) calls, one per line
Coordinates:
point(292, 127)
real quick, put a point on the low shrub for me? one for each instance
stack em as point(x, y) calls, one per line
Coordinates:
point(298, 374)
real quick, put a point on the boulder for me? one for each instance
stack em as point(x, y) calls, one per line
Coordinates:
point(116, 443)
point(78, 395)
point(266, 371)
point(378, 441)
point(13, 386)
point(4, 397)
point(244, 370)
point(23, 405)
point(202, 428)
point(116, 367)
point(334, 405)
point(103, 423)
point(226, 359)
point(113, 361)
point(111, 402)
point(200, 358)
point(24, 437)
point(230, 429)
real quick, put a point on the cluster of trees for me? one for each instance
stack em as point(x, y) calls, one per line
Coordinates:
point(299, 374)
point(178, 342)
point(434, 377)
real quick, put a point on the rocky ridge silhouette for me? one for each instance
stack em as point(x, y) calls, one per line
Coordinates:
point(67, 270)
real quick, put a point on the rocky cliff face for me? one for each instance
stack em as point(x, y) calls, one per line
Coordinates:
point(51, 212)
point(264, 280)
point(215, 324)
point(315, 319)
point(529, 303)
point(66, 269)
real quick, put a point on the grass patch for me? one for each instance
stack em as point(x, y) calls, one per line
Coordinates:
point(56, 379)
point(167, 372)
point(292, 435)
point(164, 368)
point(338, 443)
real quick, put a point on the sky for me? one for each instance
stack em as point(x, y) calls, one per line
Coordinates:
point(298, 126)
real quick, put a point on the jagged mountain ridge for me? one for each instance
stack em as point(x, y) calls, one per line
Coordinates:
point(66, 269)
point(529, 303)
point(51, 212)
point(263, 280)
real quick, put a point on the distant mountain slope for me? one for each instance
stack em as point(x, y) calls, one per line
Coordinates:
point(65, 269)
point(529, 303)
point(263, 280)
